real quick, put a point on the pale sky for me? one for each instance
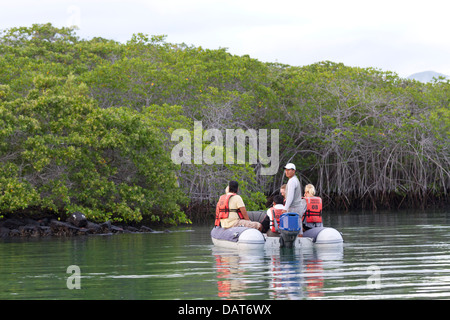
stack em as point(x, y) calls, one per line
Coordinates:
point(403, 36)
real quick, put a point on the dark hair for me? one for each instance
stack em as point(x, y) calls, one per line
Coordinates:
point(278, 199)
point(233, 186)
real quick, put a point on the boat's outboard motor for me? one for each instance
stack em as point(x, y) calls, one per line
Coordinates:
point(290, 226)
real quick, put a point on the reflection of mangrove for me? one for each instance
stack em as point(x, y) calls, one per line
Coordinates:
point(285, 273)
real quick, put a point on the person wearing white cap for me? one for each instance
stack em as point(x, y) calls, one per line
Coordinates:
point(294, 201)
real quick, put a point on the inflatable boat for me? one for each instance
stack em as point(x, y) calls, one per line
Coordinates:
point(289, 229)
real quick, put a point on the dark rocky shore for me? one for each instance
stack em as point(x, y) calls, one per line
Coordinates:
point(75, 225)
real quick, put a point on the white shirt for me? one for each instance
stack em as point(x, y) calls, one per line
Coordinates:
point(269, 211)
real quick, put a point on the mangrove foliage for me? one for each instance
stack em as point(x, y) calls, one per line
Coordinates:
point(86, 124)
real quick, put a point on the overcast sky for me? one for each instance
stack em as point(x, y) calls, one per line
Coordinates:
point(392, 35)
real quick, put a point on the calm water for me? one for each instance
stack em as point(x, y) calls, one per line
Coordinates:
point(385, 256)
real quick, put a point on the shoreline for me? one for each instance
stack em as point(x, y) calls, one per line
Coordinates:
point(25, 227)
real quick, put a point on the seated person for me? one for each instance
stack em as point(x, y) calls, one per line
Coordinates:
point(272, 219)
point(283, 191)
point(313, 216)
point(231, 212)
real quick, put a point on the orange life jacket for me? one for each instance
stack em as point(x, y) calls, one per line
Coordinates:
point(223, 208)
point(275, 221)
point(313, 212)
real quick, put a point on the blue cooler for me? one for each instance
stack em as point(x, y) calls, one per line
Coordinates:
point(290, 221)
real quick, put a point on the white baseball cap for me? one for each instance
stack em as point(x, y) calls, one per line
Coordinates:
point(290, 166)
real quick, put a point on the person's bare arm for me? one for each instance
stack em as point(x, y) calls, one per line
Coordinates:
point(244, 213)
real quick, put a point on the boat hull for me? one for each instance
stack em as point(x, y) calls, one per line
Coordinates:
point(238, 237)
point(252, 239)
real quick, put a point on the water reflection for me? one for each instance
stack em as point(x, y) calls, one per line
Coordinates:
point(314, 278)
point(274, 274)
point(411, 252)
point(285, 274)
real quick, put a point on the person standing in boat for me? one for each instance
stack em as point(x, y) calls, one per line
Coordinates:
point(231, 212)
point(294, 201)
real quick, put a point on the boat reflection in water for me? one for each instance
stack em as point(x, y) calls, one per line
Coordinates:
point(283, 273)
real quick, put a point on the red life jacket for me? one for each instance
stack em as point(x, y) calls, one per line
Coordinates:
point(275, 221)
point(313, 212)
point(223, 208)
